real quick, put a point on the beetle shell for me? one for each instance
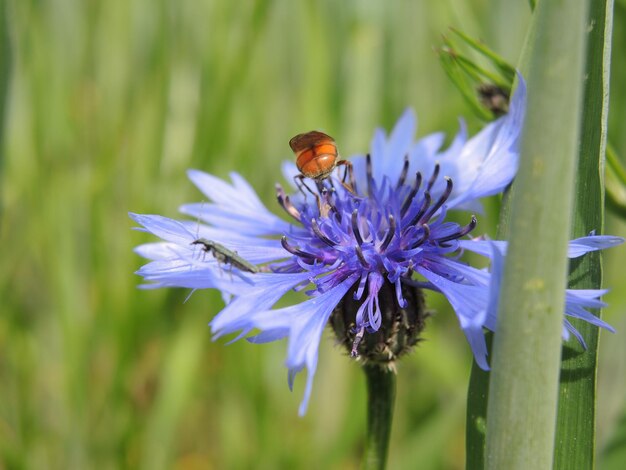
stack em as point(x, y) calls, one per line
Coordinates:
point(316, 154)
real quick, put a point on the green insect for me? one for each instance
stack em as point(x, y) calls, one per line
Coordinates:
point(224, 255)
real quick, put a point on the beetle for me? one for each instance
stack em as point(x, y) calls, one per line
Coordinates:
point(317, 157)
point(226, 256)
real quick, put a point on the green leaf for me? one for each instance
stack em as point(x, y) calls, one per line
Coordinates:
point(575, 437)
point(522, 403)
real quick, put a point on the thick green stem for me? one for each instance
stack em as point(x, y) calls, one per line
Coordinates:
point(381, 394)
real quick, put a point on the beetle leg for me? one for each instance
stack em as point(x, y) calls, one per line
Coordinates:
point(299, 180)
point(219, 261)
point(230, 270)
point(348, 174)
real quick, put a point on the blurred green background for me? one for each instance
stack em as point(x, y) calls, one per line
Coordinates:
point(104, 105)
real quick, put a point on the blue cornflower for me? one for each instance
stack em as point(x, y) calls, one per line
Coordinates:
point(362, 252)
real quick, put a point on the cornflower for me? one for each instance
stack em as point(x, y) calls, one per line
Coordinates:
point(363, 252)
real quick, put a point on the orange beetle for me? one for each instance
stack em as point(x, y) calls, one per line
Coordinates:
point(316, 156)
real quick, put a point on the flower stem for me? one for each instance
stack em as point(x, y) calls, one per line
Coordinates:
point(381, 394)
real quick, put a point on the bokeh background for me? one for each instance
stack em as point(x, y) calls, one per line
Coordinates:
point(103, 106)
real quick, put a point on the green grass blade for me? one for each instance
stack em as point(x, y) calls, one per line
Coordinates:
point(575, 438)
point(615, 183)
point(502, 65)
point(179, 374)
point(614, 454)
point(449, 64)
point(522, 402)
point(5, 72)
point(615, 164)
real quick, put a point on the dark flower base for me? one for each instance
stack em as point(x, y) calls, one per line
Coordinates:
point(399, 331)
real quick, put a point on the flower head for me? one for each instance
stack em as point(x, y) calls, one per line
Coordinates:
point(361, 249)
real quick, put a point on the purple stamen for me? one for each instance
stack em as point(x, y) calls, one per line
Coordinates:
point(423, 238)
point(296, 251)
point(433, 177)
point(401, 300)
point(355, 227)
point(405, 171)
point(416, 186)
point(444, 197)
point(461, 233)
point(359, 254)
point(422, 211)
point(390, 233)
point(316, 229)
point(286, 204)
point(368, 169)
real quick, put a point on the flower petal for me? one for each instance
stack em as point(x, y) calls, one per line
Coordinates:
point(183, 269)
point(267, 290)
point(236, 208)
point(576, 247)
point(165, 228)
point(484, 247)
point(305, 323)
point(577, 301)
point(489, 160)
point(398, 146)
point(388, 155)
point(470, 305)
point(580, 246)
